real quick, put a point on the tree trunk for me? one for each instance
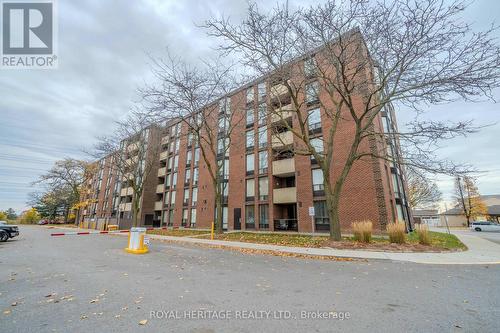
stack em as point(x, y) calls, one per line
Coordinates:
point(218, 208)
point(135, 211)
point(332, 205)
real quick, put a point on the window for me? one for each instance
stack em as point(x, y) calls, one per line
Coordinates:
point(223, 146)
point(250, 139)
point(190, 139)
point(196, 156)
point(314, 120)
point(193, 217)
point(176, 162)
point(317, 144)
point(312, 92)
point(262, 90)
point(177, 145)
point(184, 217)
point(249, 217)
point(250, 116)
point(250, 189)
point(262, 113)
point(172, 198)
point(170, 163)
point(310, 67)
point(223, 124)
point(174, 180)
point(250, 164)
point(194, 196)
point(263, 162)
point(186, 197)
point(171, 217)
point(264, 217)
point(263, 188)
point(167, 199)
point(189, 157)
point(187, 176)
point(195, 176)
point(250, 95)
point(167, 182)
point(317, 181)
point(262, 138)
point(321, 220)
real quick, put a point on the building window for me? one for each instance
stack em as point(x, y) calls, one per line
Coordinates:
point(174, 180)
point(186, 197)
point(314, 120)
point(250, 139)
point(177, 145)
point(189, 157)
point(310, 67)
point(250, 95)
point(187, 176)
point(171, 217)
point(250, 189)
point(263, 188)
point(170, 163)
point(317, 144)
point(263, 162)
point(176, 162)
point(312, 92)
point(167, 181)
point(184, 217)
point(249, 217)
point(262, 137)
point(195, 176)
point(190, 139)
point(196, 156)
point(250, 116)
point(321, 220)
point(250, 164)
point(317, 181)
point(172, 198)
point(194, 196)
point(262, 90)
point(263, 216)
point(262, 113)
point(193, 217)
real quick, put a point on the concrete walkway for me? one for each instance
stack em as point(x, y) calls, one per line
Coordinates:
point(480, 251)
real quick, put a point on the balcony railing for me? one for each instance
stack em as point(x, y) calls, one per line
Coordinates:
point(160, 188)
point(162, 172)
point(284, 167)
point(158, 205)
point(285, 195)
point(282, 139)
point(286, 225)
point(282, 113)
point(163, 155)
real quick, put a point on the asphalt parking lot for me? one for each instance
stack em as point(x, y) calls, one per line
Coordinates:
point(89, 284)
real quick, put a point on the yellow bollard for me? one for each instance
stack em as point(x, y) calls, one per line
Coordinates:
point(136, 241)
point(212, 231)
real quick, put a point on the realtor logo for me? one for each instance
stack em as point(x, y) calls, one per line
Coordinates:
point(28, 33)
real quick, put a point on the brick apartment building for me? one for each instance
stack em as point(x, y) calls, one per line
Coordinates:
point(268, 186)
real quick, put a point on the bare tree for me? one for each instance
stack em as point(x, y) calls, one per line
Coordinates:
point(468, 198)
point(197, 97)
point(134, 149)
point(422, 191)
point(68, 173)
point(366, 56)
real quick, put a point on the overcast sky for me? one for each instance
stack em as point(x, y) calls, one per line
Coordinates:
point(47, 115)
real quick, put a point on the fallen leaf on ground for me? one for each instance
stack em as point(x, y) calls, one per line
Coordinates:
point(143, 322)
point(14, 304)
point(94, 300)
point(117, 316)
point(6, 312)
point(83, 317)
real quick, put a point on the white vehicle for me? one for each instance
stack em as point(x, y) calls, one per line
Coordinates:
point(485, 226)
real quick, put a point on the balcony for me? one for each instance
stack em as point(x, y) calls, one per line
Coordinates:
point(282, 139)
point(278, 90)
point(158, 205)
point(125, 207)
point(285, 195)
point(132, 147)
point(126, 191)
point(159, 188)
point(163, 155)
point(284, 168)
point(286, 225)
point(164, 140)
point(282, 113)
point(162, 172)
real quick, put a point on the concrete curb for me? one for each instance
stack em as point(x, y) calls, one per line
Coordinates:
point(480, 252)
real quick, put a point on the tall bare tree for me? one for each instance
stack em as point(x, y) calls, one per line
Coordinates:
point(422, 191)
point(367, 56)
point(197, 97)
point(468, 199)
point(134, 148)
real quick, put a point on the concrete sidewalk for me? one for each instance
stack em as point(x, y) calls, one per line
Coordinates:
point(480, 251)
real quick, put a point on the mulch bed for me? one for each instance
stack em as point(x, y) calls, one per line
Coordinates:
point(386, 247)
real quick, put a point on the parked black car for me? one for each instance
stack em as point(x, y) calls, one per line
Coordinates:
point(8, 231)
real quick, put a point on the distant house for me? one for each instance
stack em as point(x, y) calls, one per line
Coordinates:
point(456, 218)
point(426, 216)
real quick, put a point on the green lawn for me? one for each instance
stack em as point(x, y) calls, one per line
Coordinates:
point(178, 232)
point(440, 241)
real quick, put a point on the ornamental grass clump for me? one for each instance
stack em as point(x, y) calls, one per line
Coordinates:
point(424, 237)
point(397, 232)
point(362, 231)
